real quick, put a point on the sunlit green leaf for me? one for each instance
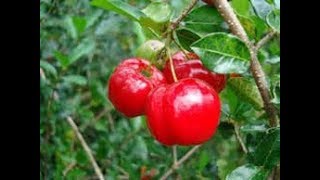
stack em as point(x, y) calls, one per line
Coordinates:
point(119, 7)
point(75, 79)
point(223, 53)
point(247, 172)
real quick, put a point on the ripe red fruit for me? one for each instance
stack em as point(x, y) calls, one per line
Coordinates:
point(183, 113)
point(209, 2)
point(130, 84)
point(193, 67)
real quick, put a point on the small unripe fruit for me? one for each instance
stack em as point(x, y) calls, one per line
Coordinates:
point(150, 50)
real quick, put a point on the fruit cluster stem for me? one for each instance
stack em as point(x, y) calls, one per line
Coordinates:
point(179, 162)
point(237, 29)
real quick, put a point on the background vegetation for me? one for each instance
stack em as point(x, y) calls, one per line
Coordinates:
point(80, 46)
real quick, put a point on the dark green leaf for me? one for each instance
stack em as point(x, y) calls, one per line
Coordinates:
point(262, 8)
point(248, 172)
point(273, 20)
point(247, 91)
point(204, 159)
point(223, 53)
point(48, 68)
point(204, 20)
point(84, 48)
point(186, 37)
point(75, 79)
point(119, 7)
point(267, 153)
point(255, 27)
point(63, 59)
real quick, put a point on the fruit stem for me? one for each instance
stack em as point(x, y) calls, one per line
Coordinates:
point(174, 152)
point(167, 45)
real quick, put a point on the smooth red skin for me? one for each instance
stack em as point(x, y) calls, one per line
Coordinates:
point(194, 68)
point(128, 87)
point(183, 113)
point(209, 2)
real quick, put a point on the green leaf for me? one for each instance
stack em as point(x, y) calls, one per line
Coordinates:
point(48, 68)
point(277, 3)
point(253, 128)
point(255, 27)
point(75, 79)
point(98, 93)
point(204, 20)
point(63, 59)
point(80, 24)
point(247, 91)
point(157, 17)
point(140, 149)
point(267, 153)
point(75, 25)
point(119, 7)
point(247, 172)
point(186, 37)
point(262, 8)
point(242, 7)
point(204, 159)
point(92, 18)
point(84, 48)
point(223, 53)
point(70, 27)
point(273, 20)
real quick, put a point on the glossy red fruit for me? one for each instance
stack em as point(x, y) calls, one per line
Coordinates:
point(193, 67)
point(209, 2)
point(130, 83)
point(183, 113)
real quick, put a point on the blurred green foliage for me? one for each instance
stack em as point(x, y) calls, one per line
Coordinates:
point(80, 46)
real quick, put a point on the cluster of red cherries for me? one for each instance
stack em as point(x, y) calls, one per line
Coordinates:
point(185, 112)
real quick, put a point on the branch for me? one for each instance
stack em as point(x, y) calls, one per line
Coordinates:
point(86, 148)
point(181, 161)
point(185, 12)
point(265, 39)
point(230, 17)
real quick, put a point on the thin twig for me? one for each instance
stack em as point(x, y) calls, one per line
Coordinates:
point(181, 161)
point(86, 148)
point(265, 39)
point(111, 121)
point(238, 136)
point(183, 14)
point(230, 17)
point(42, 74)
point(68, 168)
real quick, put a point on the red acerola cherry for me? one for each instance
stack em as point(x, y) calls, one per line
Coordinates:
point(193, 67)
point(130, 83)
point(209, 2)
point(183, 113)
